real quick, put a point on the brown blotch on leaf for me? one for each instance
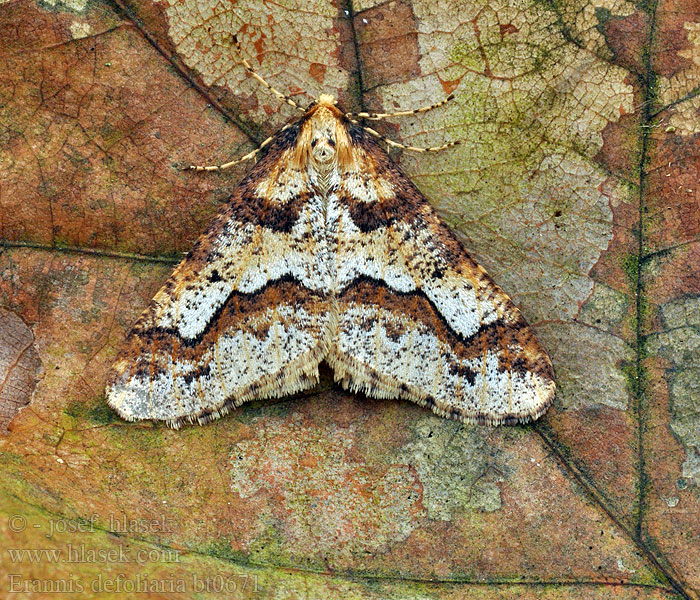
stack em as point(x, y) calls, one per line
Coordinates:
point(619, 144)
point(627, 38)
point(318, 71)
point(19, 367)
point(507, 29)
point(672, 44)
point(388, 47)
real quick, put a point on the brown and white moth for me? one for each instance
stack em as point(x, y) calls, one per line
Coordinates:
point(327, 251)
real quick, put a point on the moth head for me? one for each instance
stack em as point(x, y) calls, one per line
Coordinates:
point(324, 141)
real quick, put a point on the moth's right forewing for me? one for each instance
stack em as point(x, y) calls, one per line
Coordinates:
point(245, 315)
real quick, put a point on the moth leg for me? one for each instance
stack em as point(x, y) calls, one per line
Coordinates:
point(404, 146)
point(233, 163)
point(401, 113)
point(238, 161)
point(254, 74)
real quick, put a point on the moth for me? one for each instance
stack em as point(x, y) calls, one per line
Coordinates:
point(328, 252)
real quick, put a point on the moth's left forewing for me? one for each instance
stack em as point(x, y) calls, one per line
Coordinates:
point(418, 317)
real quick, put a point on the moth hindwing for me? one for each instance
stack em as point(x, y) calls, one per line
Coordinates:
point(327, 251)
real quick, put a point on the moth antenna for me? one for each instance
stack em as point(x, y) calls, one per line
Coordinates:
point(238, 161)
point(401, 113)
point(254, 74)
point(404, 146)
